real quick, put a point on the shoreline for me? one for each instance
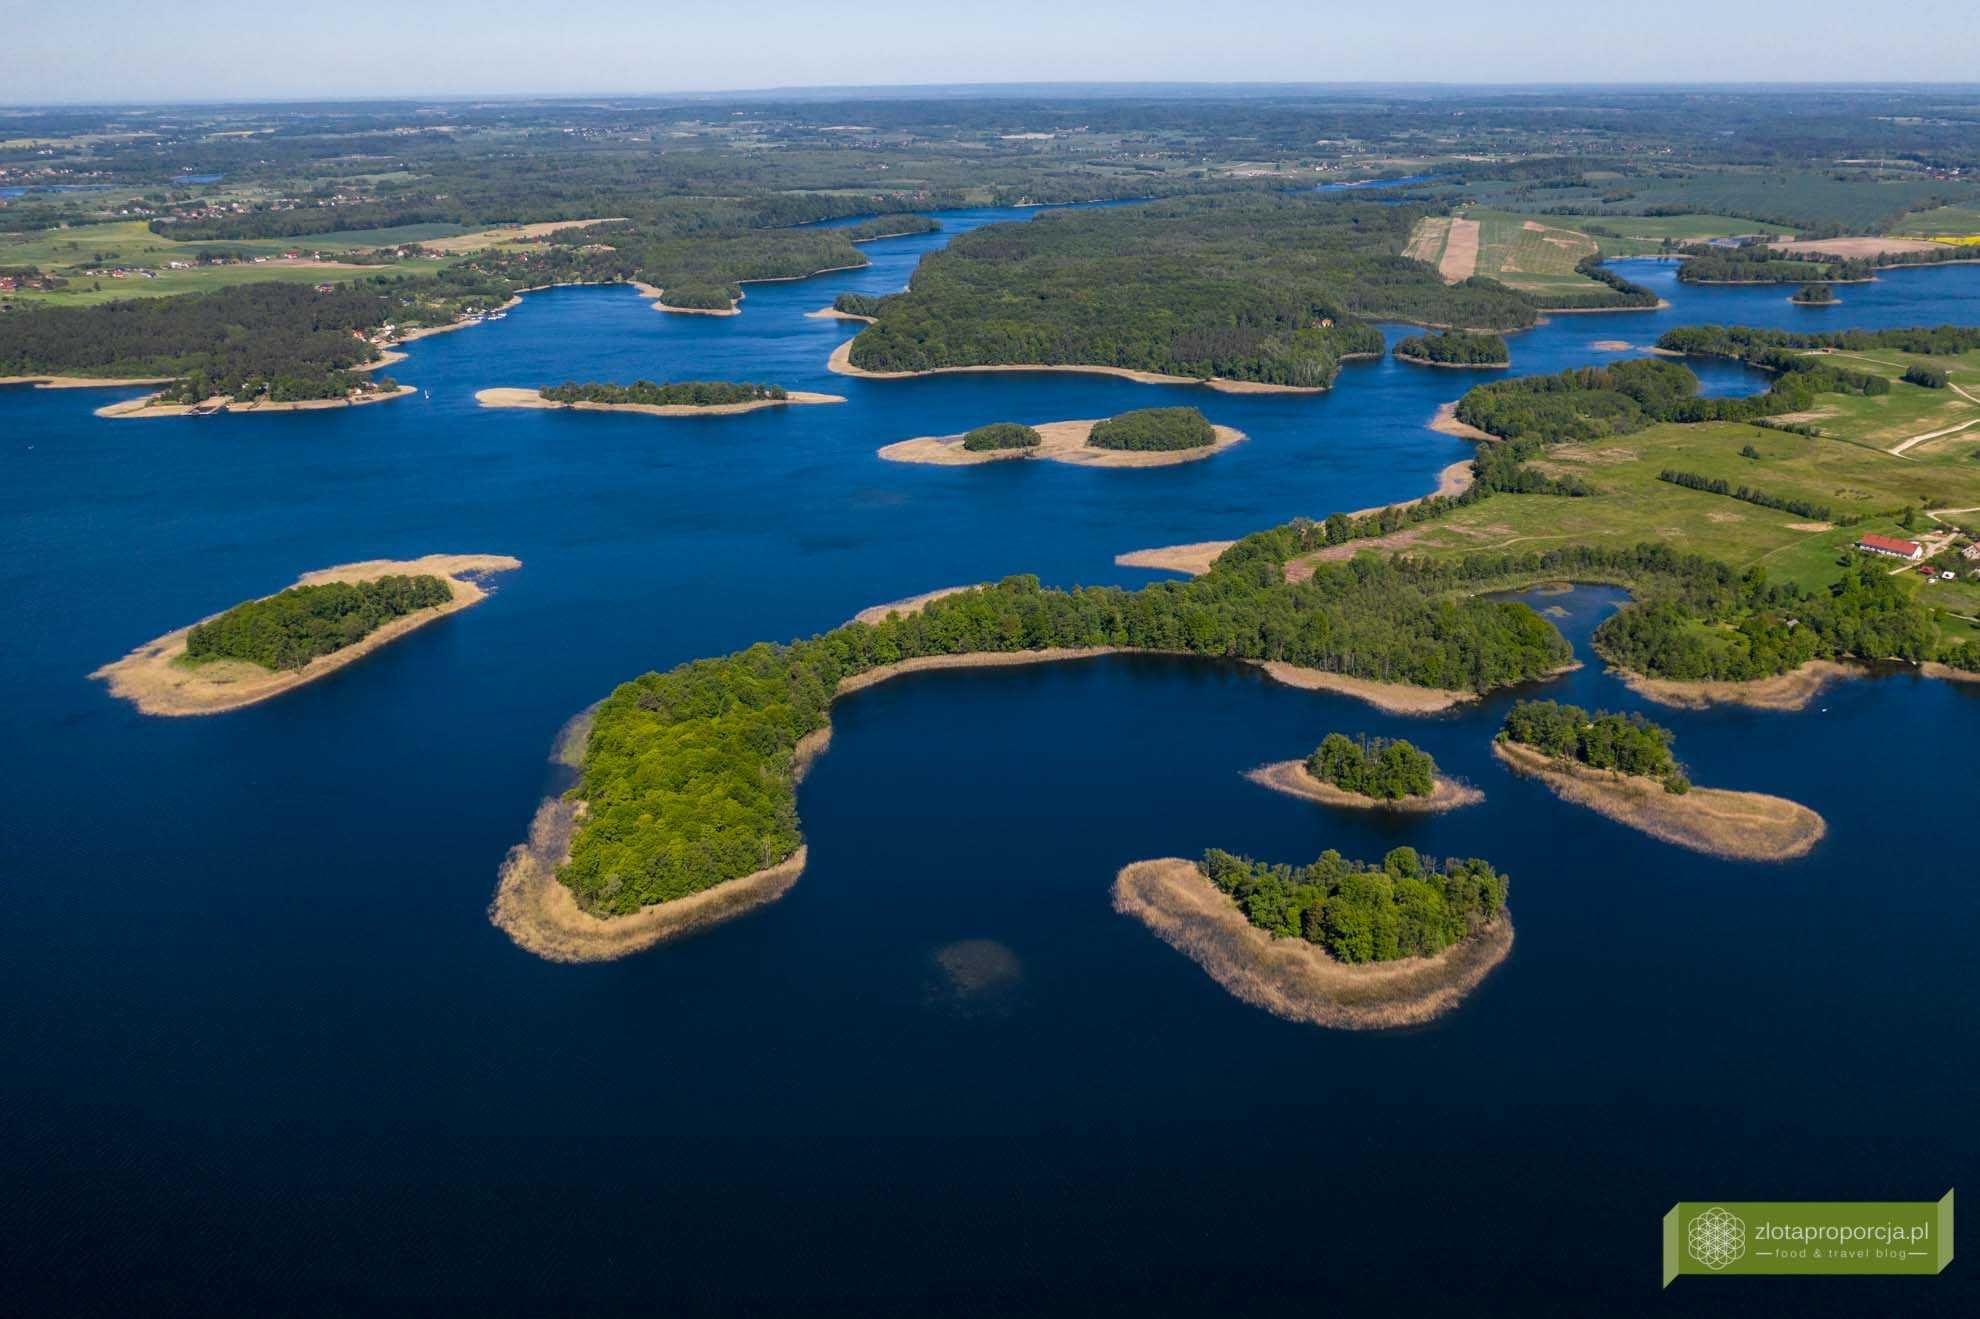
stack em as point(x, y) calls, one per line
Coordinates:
point(503, 397)
point(1453, 366)
point(1060, 442)
point(1721, 822)
point(1295, 780)
point(542, 916)
point(86, 382)
point(144, 407)
point(840, 363)
point(1291, 978)
point(1391, 697)
point(1446, 422)
point(1792, 690)
point(834, 314)
point(150, 678)
point(911, 604)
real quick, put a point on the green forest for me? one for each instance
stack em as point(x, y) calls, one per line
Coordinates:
point(1455, 348)
point(1385, 769)
point(1275, 289)
point(1404, 907)
point(293, 627)
point(1628, 744)
point(1154, 430)
point(1001, 435)
point(683, 393)
point(688, 773)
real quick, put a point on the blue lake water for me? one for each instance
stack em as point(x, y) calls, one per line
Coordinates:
point(264, 1052)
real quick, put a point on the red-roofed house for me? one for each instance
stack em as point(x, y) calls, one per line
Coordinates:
point(1872, 543)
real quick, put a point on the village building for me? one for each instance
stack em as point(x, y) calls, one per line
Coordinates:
point(1909, 550)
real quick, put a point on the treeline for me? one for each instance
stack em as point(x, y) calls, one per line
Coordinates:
point(289, 629)
point(1154, 430)
point(684, 393)
point(1266, 288)
point(242, 340)
point(1628, 744)
point(1704, 264)
point(1760, 629)
point(1455, 348)
point(1405, 907)
point(1379, 768)
point(1713, 485)
point(858, 304)
point(1586, 403)
point(688, 773)
point(1926, 377)
point(1002, 435)
point(1747, 343)
point(898, 225)
point(1581, 403)
point(704, 270)
point(1624, 293)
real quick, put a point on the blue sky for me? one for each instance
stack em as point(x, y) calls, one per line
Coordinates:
point(172, 49)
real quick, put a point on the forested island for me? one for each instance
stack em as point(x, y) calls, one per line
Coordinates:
point(1144, 437)
point(1338, 943)
point(1368, 773)
point(1260, 289)
point(261, 648)
point(1815, 295)
point(896, 225)
point(1621, 766)
point(686, 398)
point(1455, 348)
point(1760, 264)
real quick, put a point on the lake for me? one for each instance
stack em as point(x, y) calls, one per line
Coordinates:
point(264, 1051)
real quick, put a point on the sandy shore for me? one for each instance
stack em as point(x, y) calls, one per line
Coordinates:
point(912, 604)
point(1294, 979)
point(834, 314)
point(1739, 826)
point(1792, 690)
point(86, 382)
point(1293, 778)
point(150, 678)
point(144, 407)
point(531, 398)
point(841, 363)
point(1446, 423)
point(1059, 442)
point(1394, 697)
point(1934, 669)
point(1194, 559)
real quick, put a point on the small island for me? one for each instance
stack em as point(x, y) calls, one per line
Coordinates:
point(1338, 943)
point(1146, 437)
point(1621, 766)
point(195, 400)
point(1815, 295)
point(1368, 774)
point(264, 647)
point(687, 398)
point(1455, 348)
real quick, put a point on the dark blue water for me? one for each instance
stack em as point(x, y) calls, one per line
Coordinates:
point(263, 1051)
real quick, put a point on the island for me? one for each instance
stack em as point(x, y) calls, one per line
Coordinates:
point(1146, 437)
point(328, 619)
point(1338, 943)
point(1455, 348)
point(1815, 295)
point(1368, 774)
point(171, 404)
point(688, 398)
point(1621, 766)
point(621, 841)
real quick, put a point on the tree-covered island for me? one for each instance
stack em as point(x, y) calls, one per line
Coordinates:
point(1454, 348)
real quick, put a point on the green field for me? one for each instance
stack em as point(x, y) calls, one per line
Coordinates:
point(1649, 231)
point(345, 240)
point(1945, 222)
point(130, 243)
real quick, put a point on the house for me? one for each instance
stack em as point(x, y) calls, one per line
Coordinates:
point(1971, 551)
point(1894, 548)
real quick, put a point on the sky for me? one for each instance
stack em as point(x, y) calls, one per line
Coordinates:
point(122, 50)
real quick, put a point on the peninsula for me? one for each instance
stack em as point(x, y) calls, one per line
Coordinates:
point(692, 398)
point(1338, 943)
point(328, 619)
point(1150, 437)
